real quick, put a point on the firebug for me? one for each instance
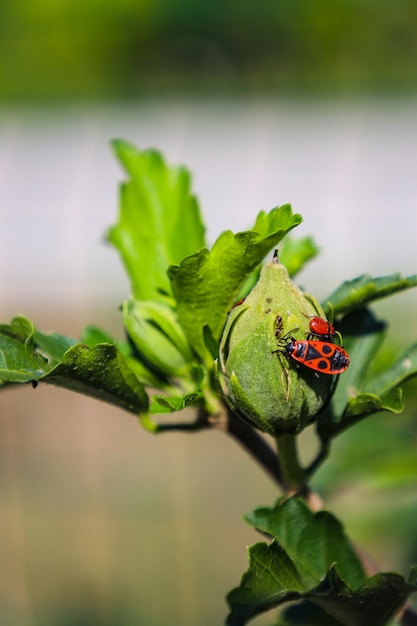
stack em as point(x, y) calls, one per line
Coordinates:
point(321, 327)
point(320, 356)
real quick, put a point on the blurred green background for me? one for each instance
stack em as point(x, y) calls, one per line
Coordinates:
point(314, 103)
point(92, 48)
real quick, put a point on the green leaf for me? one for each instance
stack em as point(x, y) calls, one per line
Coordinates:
point(360, 391)
point(366, 403)
point(373, 603)
point(26, 354)
point(100, 372)
point(159, 221)
point(304, 561)
point(362, 335)
point(307, 614)
point(271, 579)
point(313, 541)
point(52, 346)
point(362, 405)
point(92, 335)
point(210, 342)
point(248, 285)
point(170, 404)
point(295, 253)
point(206, 284)
point(365, 289)
point(16, 364)
point(145, 376)
point(404, 368)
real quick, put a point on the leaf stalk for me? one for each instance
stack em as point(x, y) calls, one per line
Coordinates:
point(293, 475)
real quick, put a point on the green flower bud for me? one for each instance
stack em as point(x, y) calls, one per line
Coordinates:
point(259, 381)
point(158, 337)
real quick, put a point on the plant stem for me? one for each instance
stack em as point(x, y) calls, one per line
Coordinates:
point(293, 474)
point(257, 447)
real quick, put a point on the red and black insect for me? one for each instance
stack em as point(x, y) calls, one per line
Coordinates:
point(321, 327)
point(320, 356)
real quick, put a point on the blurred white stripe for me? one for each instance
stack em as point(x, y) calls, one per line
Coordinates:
point(348, 168)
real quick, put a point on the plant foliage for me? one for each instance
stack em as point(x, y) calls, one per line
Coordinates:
point(181, 294)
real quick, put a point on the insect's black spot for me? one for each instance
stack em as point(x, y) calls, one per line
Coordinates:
point(326, 349)
point(269, 300)
point(322, 365)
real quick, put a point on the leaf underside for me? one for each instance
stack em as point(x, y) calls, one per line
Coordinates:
point(361, 390)
point(365, 289)
point(100, 371)
point(304, 562)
